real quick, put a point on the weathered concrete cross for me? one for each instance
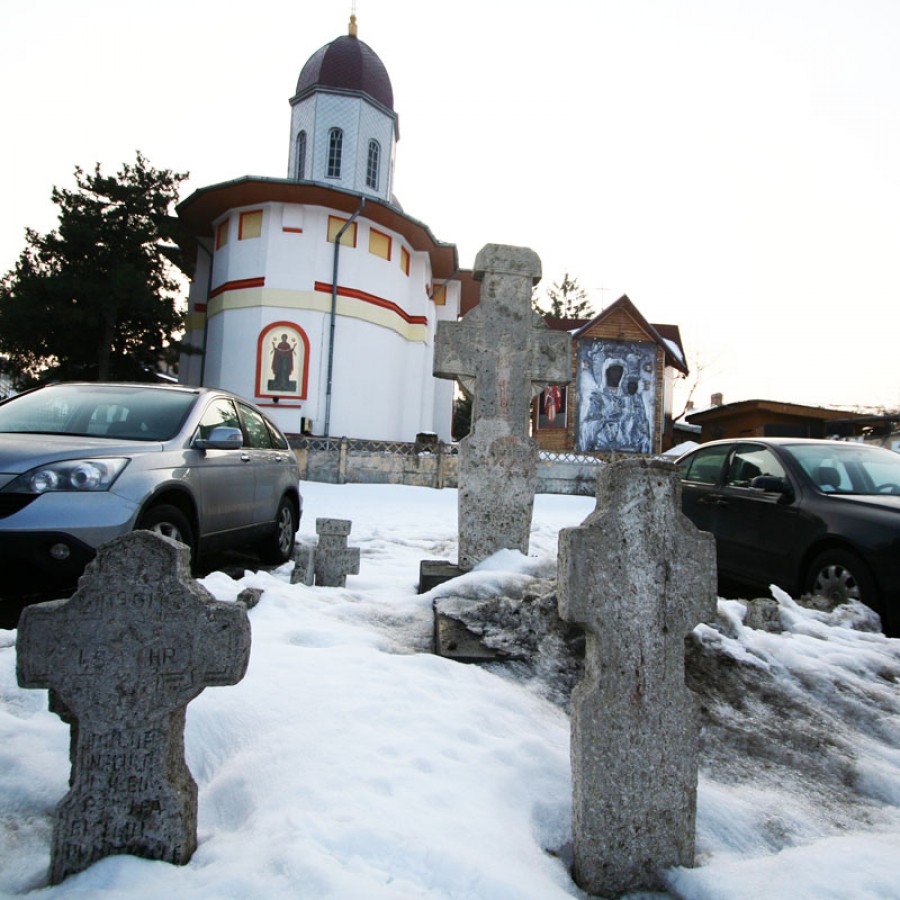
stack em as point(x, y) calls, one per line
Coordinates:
point(502, 353)
point(122, 658)
point(638, 577)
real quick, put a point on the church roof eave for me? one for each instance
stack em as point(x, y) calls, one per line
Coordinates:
point(206, 204)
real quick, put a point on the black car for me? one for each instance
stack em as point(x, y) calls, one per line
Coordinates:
point(813, 517)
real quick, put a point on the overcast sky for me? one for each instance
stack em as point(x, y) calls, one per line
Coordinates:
point(731, 165)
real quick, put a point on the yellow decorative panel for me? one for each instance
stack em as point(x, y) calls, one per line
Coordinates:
point(222, 234)
point(379, 244)
point(250, 225)
point(404, 260)
point(335, 224)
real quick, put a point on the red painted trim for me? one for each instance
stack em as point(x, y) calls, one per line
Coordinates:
point(293, 230)
point(259, 351)
point(237, 285)
point(375, 301)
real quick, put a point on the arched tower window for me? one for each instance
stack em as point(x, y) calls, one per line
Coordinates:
point(300, 157)
point(335, 147)
point(372, 165)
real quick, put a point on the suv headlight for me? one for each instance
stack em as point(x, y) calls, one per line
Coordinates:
point(69, 475)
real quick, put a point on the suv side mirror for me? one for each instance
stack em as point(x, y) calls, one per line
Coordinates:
point(221, 438)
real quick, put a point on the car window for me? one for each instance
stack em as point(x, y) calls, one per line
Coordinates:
point(849, 468)
point(219, 413)
point(749, 461)
point(278, 439)
point(131, 412)
point(256, 429)
point(704, 465)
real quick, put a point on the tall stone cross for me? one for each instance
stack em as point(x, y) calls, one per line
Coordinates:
point(502, 353)
point(638, 577)
point(122, 658)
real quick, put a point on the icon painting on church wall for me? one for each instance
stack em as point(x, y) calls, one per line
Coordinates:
point(282, 362)
point(616, 390)
point(552, 407)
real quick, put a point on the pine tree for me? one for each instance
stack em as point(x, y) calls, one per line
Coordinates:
point(97, 299)
point(568, 300)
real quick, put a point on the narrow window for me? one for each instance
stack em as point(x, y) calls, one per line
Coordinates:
point(301, 154)
point(335, 146)
point(372, 165)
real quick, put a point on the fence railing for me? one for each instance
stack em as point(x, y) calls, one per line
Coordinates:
point(425, 463)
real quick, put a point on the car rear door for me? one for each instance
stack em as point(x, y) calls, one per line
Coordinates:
point(272, 462)
point(701, 474)
point(755, 529)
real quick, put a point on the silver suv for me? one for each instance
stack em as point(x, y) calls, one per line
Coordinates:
point(83, 463)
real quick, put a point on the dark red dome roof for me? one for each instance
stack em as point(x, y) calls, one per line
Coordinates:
point(348, 64)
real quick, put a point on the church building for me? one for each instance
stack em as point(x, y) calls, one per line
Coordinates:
point(316, 295)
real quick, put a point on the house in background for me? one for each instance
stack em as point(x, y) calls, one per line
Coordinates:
point(770, 418)
point(620, 397)
point(316, 295)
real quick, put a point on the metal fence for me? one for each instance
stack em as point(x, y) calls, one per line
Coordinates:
point(425, 463)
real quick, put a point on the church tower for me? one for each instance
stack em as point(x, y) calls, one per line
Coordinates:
point(316, 295)
point(343, 125)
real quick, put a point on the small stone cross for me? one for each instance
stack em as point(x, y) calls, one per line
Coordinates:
point(334, 560)
point(638, 577)
point(502, 353)
point(122, 658)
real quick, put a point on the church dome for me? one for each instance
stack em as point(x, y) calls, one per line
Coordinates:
point(347, 64)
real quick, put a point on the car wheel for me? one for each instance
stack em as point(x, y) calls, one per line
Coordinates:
point(278, 547)
point(169, 521)
point(840, 575)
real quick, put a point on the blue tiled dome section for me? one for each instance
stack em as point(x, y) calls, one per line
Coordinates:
point(349, 64)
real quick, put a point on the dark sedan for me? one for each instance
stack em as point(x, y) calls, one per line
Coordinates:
point(813, 517)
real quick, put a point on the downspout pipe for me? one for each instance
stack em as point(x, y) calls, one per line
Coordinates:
point(334, 291)
point(209, 277)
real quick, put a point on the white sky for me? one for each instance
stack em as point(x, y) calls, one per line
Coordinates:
point(733, 167)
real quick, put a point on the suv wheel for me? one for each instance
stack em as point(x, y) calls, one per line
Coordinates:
point(278, 547)
point(169, 521)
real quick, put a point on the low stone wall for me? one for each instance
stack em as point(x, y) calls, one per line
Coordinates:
point(424, 464)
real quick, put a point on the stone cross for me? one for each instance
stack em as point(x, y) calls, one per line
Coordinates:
point(502, 353)
point(334, 560)
point(122, 658)
point(638, 577)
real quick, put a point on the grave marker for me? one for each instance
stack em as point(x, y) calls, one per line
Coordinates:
point(122, 658)
point(638, 577)
point(334, 560)
point(502, 353)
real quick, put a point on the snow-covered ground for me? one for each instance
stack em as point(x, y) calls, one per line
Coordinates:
point(352, 763)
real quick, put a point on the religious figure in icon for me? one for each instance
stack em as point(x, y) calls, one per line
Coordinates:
point(283, 355)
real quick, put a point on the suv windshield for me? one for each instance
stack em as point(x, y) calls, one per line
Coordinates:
point(837, 468)
point(84, 410)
